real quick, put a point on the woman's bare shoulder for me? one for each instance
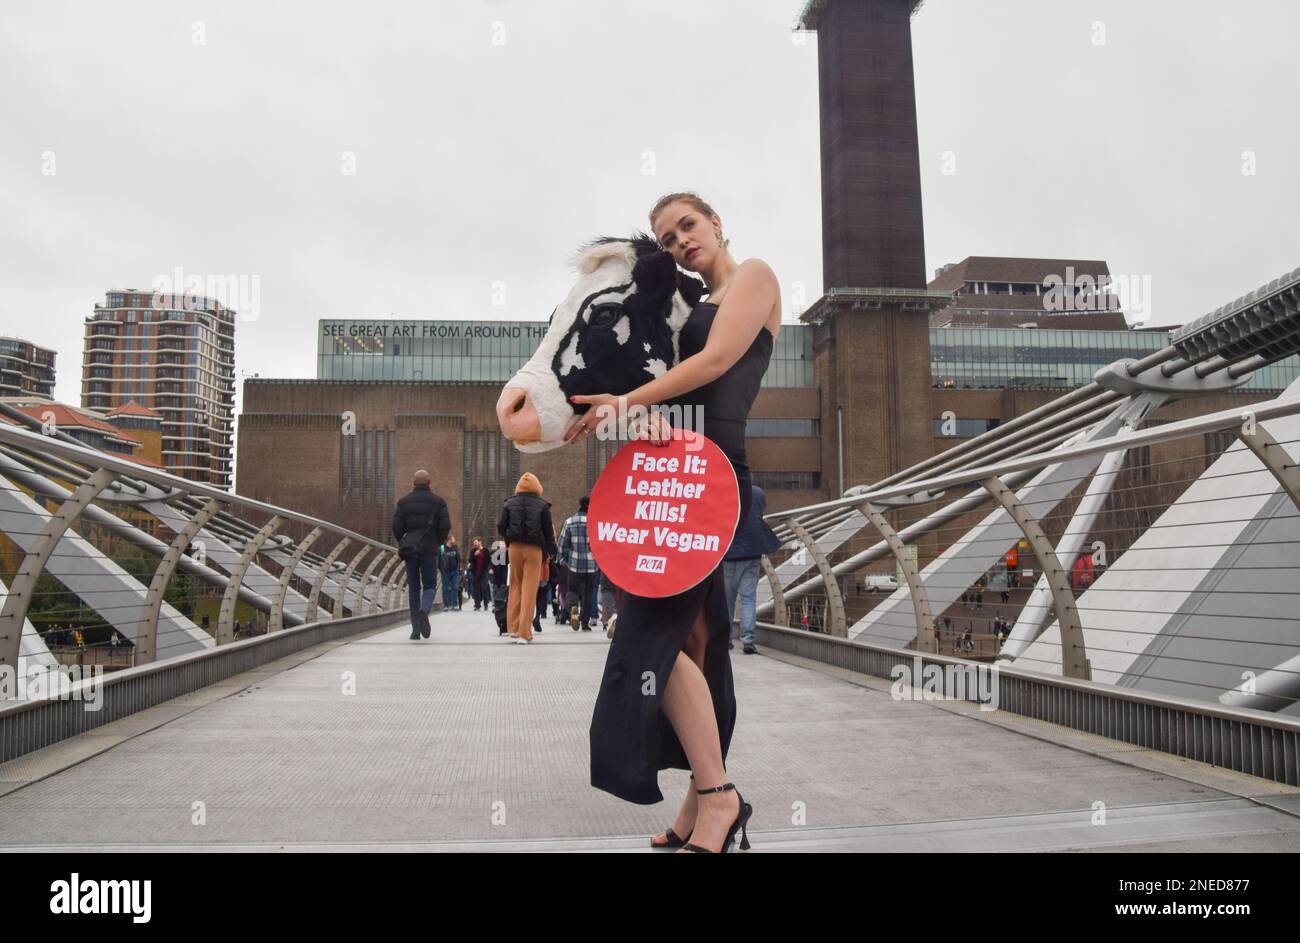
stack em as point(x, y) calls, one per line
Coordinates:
point(758, 270)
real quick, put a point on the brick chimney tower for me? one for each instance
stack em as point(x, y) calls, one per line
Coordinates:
point(873, 341)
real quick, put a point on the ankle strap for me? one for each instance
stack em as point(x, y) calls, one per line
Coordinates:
point(723, 788)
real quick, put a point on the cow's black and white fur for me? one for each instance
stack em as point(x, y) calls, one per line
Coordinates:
point(617, 329)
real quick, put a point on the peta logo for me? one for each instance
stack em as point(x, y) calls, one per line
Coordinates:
point(648, 564)
point(102, 897)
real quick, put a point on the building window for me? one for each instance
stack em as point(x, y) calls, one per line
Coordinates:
point(381, 479)
point(782, 428)
point(367, 469)
point(347, 465)
point(491, 351)
point(787, 481)
point(491, 469)
point(963, 428)
point(1137, 462)
point(1216, 443)
point(367, 465)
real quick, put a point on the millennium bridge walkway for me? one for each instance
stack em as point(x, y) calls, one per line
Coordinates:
point(463, 742)
point(1089, 641)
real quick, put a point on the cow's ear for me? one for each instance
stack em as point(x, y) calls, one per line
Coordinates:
point(655, 274)
point(692, 289)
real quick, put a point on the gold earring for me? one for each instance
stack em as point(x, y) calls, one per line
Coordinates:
point(721, 241)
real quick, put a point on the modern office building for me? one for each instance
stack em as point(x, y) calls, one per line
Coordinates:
point(1061, 359)
point(174, 355)
point(989, 291)
point(26, 369)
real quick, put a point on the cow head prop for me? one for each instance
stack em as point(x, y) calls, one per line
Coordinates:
point(616, 330)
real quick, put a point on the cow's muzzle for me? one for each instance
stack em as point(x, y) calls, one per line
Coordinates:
point(518, 417)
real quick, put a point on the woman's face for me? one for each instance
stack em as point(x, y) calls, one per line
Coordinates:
point(687, 234)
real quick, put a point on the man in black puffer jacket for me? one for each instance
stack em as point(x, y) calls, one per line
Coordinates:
point(420, 526)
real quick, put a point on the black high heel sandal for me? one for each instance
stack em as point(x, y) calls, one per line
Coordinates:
point(742, 820)
point(674, 840)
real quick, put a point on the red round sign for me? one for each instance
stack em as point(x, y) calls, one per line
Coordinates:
point(662, 516)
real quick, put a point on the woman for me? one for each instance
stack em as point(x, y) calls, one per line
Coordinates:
point(500, 568)
point(525, 524)
point(479, 566)
point(682, 714)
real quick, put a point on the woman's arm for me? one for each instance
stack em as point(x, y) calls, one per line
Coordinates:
point(741, 315)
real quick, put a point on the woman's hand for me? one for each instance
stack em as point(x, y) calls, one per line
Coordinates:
point(654, 429)
point(602, 405)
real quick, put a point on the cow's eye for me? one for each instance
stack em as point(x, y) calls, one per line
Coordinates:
point(603, 315)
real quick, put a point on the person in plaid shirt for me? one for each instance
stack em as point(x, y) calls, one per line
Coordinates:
point(575, 556)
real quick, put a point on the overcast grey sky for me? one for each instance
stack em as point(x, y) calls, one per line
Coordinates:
point(491, 137)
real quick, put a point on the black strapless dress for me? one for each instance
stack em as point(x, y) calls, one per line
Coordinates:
point(631, 738)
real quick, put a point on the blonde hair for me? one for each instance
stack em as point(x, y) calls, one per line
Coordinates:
point(686, 196)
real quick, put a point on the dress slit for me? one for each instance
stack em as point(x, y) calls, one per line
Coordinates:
point(631, 735)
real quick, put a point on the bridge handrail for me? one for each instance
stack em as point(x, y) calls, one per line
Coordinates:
point(93, 459)
point(1211, 422)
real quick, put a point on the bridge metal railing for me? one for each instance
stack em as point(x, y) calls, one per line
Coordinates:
point(1121, 568)
point(97, 551)
point(1248, 741)
point(89, 703)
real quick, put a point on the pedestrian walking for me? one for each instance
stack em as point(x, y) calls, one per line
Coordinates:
point(560, 600)
point(420, 526)
point(499, 560)
point(741, 565)
point(480, 569)
point(449, 566)
point(525, 524)
point(608, 602)
point(579, 565)
point(543, 592)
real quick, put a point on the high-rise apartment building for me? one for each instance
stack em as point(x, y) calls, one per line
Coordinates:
point(25, 369)
point(174, 354)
